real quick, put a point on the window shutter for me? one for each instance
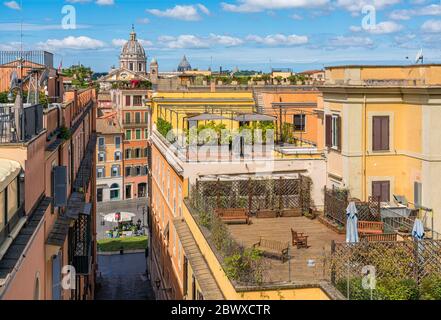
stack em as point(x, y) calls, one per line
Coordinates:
point(328, 128)
point(339, 133)
point(385, 191)
point(128, 101)
point(385, 133)
point(376, 133)
point(60, 186)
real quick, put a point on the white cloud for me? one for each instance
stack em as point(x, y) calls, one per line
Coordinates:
point(406, 14)
point(431, 26)
point(121, 42)
point(74, 43)
point(203, 9)
point(105, 2)
point(279, 40)
point(348, 42)
point(98, 2)
point(185, 41)
point(384, 27)
point(356, 6)
point(181, 12)
point(12, 5)
point(34, 27)
point(261, 5)
point(226, 41)
point(143, 21)
point(188, 41)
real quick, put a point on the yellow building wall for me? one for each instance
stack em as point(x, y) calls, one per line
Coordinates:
point(288, 294)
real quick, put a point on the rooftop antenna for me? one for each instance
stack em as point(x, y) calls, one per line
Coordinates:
point(419, 57)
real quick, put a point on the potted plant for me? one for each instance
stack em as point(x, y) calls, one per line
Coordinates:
point(310, 214)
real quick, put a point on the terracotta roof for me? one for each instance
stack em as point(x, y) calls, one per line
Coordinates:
point(103, 126)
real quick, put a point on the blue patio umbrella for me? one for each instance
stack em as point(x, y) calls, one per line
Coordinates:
point(351, 223)
point(418, 230)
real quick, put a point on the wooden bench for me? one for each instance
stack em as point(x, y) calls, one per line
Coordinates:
point(273, 248)
point(379, 237)
point(299, 239)
point(233, 215)
point(370, 227)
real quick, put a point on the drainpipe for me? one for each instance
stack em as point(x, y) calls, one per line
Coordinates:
point(364, 180)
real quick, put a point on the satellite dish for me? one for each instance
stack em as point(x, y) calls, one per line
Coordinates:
point(14, 81)
point(419, 57)
point(44, 77)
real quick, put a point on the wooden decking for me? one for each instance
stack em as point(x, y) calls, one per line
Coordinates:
point(279, 229)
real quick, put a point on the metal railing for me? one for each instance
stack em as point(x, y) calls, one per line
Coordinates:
point(31, 123)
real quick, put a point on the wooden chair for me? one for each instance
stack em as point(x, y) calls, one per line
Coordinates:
point(299, 239)
point(273, 248)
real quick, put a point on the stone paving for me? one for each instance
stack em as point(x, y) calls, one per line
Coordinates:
point(133, 206)
point(122, 277)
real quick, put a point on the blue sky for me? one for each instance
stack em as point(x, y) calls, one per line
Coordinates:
point(250, 34)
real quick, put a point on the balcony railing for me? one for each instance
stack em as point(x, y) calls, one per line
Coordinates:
point(81, 245)
point(134, 123)
point(7, 229)
point(31, 123)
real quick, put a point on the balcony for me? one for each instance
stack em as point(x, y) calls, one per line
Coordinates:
point(80, 245)
point(135, 124)
point(30, 122)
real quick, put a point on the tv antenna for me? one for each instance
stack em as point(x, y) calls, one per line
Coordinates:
point(419, 57)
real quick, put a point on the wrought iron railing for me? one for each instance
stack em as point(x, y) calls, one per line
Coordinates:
point(81, 245)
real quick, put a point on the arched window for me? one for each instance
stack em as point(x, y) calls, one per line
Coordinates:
point(114, 192)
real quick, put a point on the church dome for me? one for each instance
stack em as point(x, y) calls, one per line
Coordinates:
point(133, 47)
point(133, 56)
point(184, 65)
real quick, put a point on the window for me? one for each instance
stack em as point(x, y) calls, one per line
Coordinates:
point(101, 157)
point(144, 170)
point(100, 172)
point(115, 171)
point(128, 134)
point(146, 152)
point(137, 153)
point(137, 117)
point(99, 195)
point(118, 156)
point(139, 66)
point(101, 142)
point(128, 171)
point(146, 117)
point(114, 192)
point(128, 101)
point(333, 131)
point(129, 191)
point(128, 117)
point(138, 134)
point(299, 122)
point(138, 170)
point(128, 153)
point(131, 66)
point(380, 133)
point(146, 133)
point(118, 142)
point(137, 101)
point(180, 200)
point(381, 189)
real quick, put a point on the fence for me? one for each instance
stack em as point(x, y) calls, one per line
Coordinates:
point(337, 200)
point(398, 265)
point(268, 194)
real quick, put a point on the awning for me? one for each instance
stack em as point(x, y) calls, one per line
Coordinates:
point(207, 117)
point(254, 117)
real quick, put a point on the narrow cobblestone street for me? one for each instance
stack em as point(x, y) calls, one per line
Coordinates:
point(122, 277)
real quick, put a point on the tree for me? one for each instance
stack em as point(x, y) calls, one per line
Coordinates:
point(81, 75)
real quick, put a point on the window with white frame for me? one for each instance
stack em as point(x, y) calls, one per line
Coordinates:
point(180, 200)
point(100, 172)
point(101, 156)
